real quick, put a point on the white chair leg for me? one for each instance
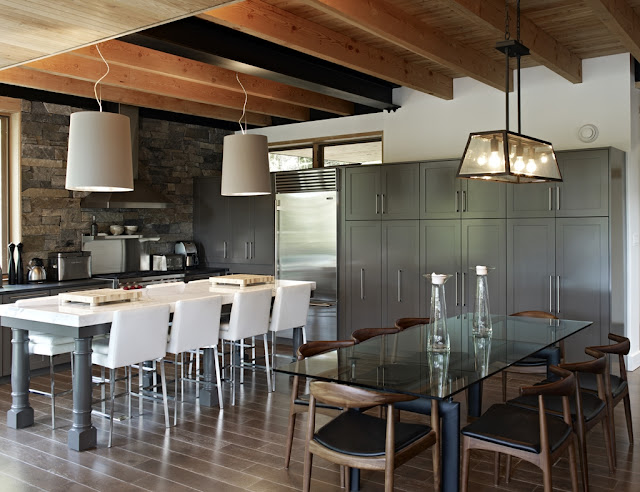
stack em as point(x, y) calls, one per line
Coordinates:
point(175, 389)
point(103, 395)
point(233, 377)
point(273, 359)
point(198, 371)
point(140, 400)
point(304, 334)
point(266, 361)
point(224, 367)
point(112, 378)
point(253, 350)
point(52, 383)
point(165, 403)
point(181, 376)
point(241, 361)
point(218, 381)
point(128, 371)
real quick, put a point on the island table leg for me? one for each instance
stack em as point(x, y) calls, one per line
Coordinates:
point(82, 434)
point(208, 393)
point(20, 414)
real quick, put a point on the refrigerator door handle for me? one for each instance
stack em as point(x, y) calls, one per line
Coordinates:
point(399, 285)
point(362, 284)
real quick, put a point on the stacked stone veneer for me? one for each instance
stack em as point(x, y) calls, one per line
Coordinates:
point(170, 155)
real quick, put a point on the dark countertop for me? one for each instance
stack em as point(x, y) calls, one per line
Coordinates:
point(66, 284)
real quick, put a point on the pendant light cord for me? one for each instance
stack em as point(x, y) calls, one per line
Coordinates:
point(244, 106)
point(95, 86)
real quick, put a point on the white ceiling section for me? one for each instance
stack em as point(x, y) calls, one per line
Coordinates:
point(33, 29)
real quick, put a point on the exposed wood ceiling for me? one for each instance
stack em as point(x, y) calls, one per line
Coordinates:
point(297, 59)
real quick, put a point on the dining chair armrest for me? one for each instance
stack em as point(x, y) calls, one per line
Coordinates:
point(595, 366)
point(564, 387)
point(404, 323)
point(622, 346)
point(318, 347)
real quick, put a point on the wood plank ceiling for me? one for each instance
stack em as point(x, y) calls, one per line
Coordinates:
point(297, 59)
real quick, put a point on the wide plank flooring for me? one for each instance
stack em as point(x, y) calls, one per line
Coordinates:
point(241, 448)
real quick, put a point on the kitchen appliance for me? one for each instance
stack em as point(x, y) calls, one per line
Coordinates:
point(114, 254)
point(70, 266)
point(164, 263)
point(307, 241)
point(190, 252)
point(37, 272)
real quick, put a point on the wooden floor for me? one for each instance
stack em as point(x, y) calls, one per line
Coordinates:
point(241, 448)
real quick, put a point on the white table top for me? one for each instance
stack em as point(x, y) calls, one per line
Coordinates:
point(77, 314)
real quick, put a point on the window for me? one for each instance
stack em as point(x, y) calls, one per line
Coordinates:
point(326, 152)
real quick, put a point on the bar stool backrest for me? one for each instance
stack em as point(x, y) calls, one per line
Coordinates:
point(196, 323)
point(249, 314)
point(290, 307)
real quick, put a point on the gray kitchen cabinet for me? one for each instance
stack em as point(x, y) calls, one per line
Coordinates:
point(531, 256)
point(446, 197)
point(531, 200)
point(233, 230)
point(388, 192)
point(363, 274)
point(401, 272)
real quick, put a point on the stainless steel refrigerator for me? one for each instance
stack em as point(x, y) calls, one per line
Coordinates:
point(307, 241)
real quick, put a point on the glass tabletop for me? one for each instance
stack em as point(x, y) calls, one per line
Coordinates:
point(400, 363)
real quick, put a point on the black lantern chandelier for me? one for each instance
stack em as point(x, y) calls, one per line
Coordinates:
point(503, 155)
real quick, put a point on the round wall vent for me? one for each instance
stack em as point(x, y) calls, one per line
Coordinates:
point(588, 133)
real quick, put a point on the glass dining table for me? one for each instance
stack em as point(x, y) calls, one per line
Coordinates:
point(400, 363)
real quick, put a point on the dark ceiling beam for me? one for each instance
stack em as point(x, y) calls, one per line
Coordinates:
point(207, 42)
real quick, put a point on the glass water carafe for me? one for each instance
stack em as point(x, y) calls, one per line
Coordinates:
point(438, 335)
point(481, 314)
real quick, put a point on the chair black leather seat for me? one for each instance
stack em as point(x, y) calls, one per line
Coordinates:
point(517, 428)
point(359, 434)
point(588, 383)
point(531, 362)
point(591, 404)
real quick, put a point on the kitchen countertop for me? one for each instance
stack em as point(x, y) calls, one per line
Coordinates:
point(65, 284)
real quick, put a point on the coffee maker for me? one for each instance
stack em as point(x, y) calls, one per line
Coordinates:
point(190, 252)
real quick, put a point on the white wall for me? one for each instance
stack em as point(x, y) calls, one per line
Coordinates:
point(553, 109)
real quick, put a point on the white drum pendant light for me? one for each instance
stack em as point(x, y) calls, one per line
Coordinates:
point(245, 161)
point(99, 155)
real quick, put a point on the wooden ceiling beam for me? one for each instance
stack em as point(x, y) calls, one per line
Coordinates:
point(544, 48)
point(279, 26)
point(141, 58)
point(33, 79)
point(383, 19)
point(622, 20)
point(70, 65)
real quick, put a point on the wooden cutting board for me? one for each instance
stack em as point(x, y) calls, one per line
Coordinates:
point(242, 279)
point(100, 296)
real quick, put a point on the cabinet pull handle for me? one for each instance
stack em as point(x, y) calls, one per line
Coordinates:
point(399, 285)
point(464, 302)
point(457, 202)
point(251, 250)
point(362, 284)
point(550, 291)
point(224, 245)
point(457, 300)
point(557, 198)
point(246, 247)
point(377, 198)
point(550, 198)
point(558, 294)
point(464, 203)
point(382, 203)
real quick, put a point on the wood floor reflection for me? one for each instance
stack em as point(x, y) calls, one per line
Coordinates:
point(241, 448)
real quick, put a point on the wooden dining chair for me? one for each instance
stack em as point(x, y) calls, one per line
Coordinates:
point(364, 334)
point(533, 436)
point(587, 409)
point(359, 440)
point(404, 323)
point(299, 402)
point(532, 364)
point(617, 386)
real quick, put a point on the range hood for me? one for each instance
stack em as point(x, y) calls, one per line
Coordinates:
point(142, 195)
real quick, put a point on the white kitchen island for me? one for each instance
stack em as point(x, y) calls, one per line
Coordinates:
point(83, 322)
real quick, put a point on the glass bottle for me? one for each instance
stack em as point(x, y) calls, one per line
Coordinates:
point(481, 313)
point(438, 335)
point(482, 353)
point(94, 227)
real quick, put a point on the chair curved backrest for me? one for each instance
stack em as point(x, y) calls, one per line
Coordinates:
point(164, 289)
point(345, 396)
point(535, 314)
point(318, 347)
point(196, 323)
point(249, 314)
point(404, 323)
point(290, 307)
point(137, 335)
point(364, 334)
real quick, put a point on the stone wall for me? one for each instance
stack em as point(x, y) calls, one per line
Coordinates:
point(170, 155)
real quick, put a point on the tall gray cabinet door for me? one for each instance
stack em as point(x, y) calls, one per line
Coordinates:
point(240, 212)
point(584, 191)
point(531, 256)
point(362, 193)
point(484, 242)
point(531, 200)
point(441, 191)
point(582, 269)
point(400, 198)
point(401, 274)
point(440, 252)
point(211, 226)
point(263, 244)
point(363, 252)
point(483, 199)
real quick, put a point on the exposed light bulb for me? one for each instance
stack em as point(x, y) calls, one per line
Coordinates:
point(519, 166)
point(531, 166)
point(543, 158)
point(482, 160)
point(494, 159)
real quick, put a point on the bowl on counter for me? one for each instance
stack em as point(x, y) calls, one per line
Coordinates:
point(116, 230)
point(130, 229)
